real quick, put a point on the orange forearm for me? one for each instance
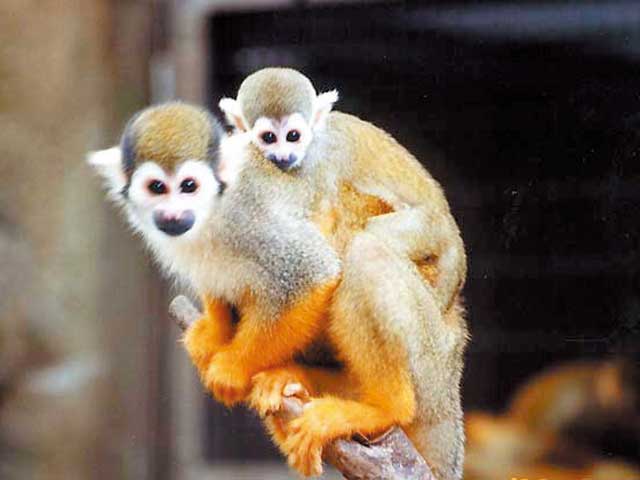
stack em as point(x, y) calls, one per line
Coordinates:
point(207, 335)
point(259, 344)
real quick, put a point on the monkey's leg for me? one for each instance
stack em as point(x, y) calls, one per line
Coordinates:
point(384, 293)
point(209, 333)
point(327, 418)
point(423, 231)
point(272, 386)
point(389, 332)
point(260, 344)
point(269, 387)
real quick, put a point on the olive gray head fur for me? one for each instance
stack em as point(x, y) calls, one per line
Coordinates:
point(276, 92)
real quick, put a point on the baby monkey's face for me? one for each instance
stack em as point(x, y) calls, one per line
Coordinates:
point(172, 203)
point(284, 141)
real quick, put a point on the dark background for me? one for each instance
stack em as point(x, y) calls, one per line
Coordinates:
point(529, 116)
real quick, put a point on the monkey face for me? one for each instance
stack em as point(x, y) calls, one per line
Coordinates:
point(165, 204)
point(162, 205)
point(283, 141)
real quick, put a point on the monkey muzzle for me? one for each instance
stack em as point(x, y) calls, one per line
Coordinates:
point(174, 225)
point(284, 163)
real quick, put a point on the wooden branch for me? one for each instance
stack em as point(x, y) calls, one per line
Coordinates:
point(390, 456)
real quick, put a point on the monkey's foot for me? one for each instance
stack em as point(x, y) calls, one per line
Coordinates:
point(272, 386)
point(325, 420)
point(277, 429)
point(200, 341)
point(306, 437)
point(228, 382)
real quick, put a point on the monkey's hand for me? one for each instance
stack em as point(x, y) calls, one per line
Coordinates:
point(199, 342)
point(208, 334)
point(271, 387)
point(227, 378)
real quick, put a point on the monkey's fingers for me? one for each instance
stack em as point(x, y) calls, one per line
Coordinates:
point(184, 312)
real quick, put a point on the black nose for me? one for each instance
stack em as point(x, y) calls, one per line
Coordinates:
point(172, 225)
point(283, 163)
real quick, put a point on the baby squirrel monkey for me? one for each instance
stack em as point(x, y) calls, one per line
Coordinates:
point(401, 339)
point(237, 240)
point(278, 112)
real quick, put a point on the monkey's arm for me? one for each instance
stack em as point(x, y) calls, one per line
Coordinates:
point(210, 332)
point(260, 343)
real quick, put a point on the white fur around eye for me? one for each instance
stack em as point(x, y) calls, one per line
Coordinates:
point(262, 126)
point(139, 189)
point(296, 122)
point(203, 175)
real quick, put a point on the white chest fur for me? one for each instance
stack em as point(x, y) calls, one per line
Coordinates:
point(207, 267)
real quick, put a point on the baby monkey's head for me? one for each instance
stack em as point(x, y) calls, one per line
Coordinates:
point(280, 110)
point(164, 171)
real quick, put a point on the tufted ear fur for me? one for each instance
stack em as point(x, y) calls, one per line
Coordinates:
point(108, 164)
point(233, 113)
point(322, 107)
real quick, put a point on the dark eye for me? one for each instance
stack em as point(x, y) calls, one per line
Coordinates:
point(188, 185)
point(293, 136)
point(269, 137)
point(157, 187)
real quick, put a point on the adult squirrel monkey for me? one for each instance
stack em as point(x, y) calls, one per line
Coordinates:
point(400, 338)
point(240, 239)
point(252, 245)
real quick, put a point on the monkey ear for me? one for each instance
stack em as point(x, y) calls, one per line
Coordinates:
point(108, 164)
point(322, 107)
point(233, 113)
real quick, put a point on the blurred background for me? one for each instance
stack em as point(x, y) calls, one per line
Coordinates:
point(527, 112)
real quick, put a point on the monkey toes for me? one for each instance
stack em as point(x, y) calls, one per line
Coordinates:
point(272, 386)
point(306, 437)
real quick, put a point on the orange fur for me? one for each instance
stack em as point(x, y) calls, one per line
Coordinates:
point(328, 418)
point(260, 344)
point(325, 220)
point(351, 213)
point(371, 395)
point(428, 269)
point(406, 210)
point(368, 398)
point(269, 387)
point(209, 333)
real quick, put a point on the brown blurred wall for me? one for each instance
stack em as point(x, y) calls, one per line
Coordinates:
point(70, 73)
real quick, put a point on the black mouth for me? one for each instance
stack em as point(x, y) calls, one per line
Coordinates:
point(284, 163)
point(174, 226)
